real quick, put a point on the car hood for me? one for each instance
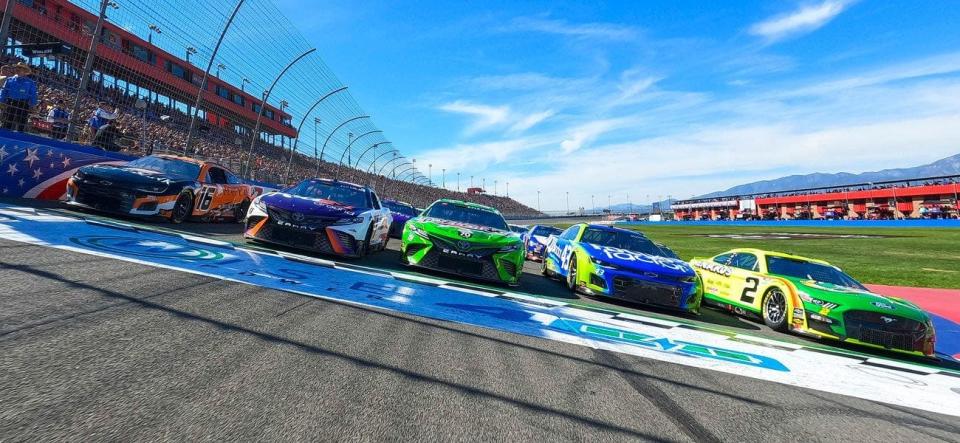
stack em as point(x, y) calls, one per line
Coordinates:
point(542, 239)
point(455, 231)
point(309, 206)
point(852, 298)
point(119, 175)
point(639, 261)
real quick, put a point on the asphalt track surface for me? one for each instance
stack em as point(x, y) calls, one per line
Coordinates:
point(100, 349)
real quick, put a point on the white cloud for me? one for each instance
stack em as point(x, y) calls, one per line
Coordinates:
point(806, 19)
point(606, 31)
point(714, 158)
point(531, 120)
point(484, 116)
point(588, 132)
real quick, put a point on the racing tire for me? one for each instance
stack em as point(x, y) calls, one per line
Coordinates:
point(543, 268)
point(240, 213)
point(365, 247)
point(182, 208)
point(572, 274)
point(774, 309)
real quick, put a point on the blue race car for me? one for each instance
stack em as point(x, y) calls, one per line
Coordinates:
point(401, 213)
point(535, 240)
point(605, 261)
point(321, 215)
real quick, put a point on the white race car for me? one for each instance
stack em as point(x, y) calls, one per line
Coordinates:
point(321, 215)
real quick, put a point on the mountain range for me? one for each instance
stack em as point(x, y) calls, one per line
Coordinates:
point(946, 166)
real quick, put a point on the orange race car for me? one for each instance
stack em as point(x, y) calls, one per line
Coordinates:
point(167, 186)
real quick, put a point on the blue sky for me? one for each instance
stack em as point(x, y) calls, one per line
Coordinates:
point(647, 98)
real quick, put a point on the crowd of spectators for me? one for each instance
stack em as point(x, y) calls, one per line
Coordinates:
point(110, 119)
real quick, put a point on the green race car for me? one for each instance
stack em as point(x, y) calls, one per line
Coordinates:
point(813, 297)
point(463, 238)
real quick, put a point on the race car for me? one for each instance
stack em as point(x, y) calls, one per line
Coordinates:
point(401, 213)
point(613, 262)
point(535, 240)
point(167, 186)
point(814, 298)
point(518, 229)
point(466, 239)
point(321, 215)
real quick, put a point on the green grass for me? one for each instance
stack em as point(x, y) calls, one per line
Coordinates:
point(911, 257)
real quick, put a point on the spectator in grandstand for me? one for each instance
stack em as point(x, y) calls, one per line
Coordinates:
point(18, 95)
point(106, 136)
point(58, 117)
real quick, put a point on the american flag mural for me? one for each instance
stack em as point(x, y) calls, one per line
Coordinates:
point(32, 167)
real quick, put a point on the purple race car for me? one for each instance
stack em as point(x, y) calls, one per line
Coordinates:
point(321, 215)
point(401, 213)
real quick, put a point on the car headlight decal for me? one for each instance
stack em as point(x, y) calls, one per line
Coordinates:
point(348, 221)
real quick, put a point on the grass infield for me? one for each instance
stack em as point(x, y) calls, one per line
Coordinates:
point(924, 257)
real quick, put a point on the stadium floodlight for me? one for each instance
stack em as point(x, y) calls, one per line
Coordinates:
point(365, 151)
point(316, 121)
point(334, 131)
point(206, 73)
point(384, 167)
point(349, 146)
point(266, 95)
point(154, 29)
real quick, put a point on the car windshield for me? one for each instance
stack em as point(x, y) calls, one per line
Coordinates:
point(465, 214)
point(667, 252)
point(169, 166)
point(545, 231)
point(518, 229)
point(811, 271)
point(630, 241)
point(339, 193)
point(401, 208)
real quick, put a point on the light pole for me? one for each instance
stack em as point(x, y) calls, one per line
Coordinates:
point(87, 64)
point(471, 181)
point(206, 72)
point(190, 51)
point(609, 209)
point(494, 187)
point(243, 83)
point(508, 189)
point(153, 29)
point(342, 124)
point(263, 103)
point(593, 205)
point(348, 152)
point(568, 203)
point(483, 185)
point(443, 179)
point(142, 106)
point(538, 201)
point(316, 124)
point(372, 147)
point(430, 172)
point(458, 182)
point(220, 66)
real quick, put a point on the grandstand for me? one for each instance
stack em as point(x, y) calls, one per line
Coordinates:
point(153, 91)
point(931, 197)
